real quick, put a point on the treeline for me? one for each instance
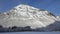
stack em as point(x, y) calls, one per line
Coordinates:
point(18, 29)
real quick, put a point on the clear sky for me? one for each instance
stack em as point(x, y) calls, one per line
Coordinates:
point(49, 5)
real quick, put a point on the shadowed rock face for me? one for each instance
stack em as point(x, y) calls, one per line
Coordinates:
point(53, 27)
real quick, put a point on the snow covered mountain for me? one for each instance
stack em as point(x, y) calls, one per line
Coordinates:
point(25, 15)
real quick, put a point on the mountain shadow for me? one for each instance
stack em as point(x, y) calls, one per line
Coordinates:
point(53, 27)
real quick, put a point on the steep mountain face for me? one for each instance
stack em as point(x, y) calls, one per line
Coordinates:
point(25, 15)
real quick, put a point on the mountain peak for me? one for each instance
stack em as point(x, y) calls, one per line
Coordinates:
point(25, 15)
point(24, 6)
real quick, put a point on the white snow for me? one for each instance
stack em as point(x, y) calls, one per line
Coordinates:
point(25, 15)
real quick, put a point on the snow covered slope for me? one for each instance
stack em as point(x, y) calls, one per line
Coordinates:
point(58, 17)
point(25, 15)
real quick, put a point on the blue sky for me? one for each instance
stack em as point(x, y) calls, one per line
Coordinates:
point(49, 5)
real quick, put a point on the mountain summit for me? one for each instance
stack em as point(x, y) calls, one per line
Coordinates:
point(25, 15)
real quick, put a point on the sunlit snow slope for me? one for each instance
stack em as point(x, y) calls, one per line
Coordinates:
point(25, 15)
